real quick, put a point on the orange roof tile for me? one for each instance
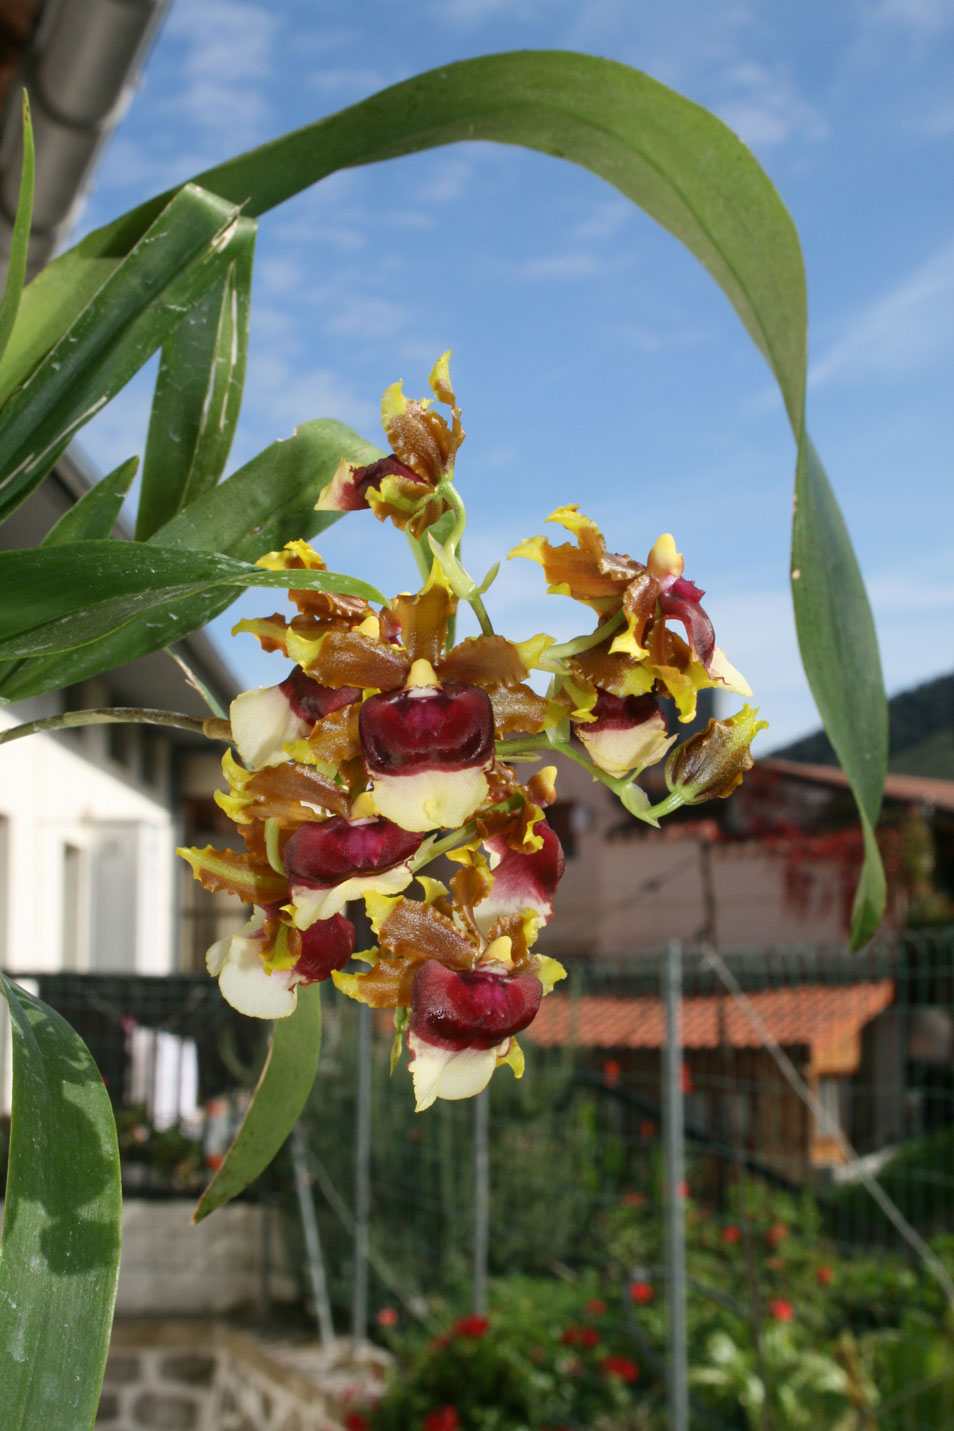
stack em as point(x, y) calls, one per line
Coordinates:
point(810, 1014)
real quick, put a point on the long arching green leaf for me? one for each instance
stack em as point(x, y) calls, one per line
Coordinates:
point(278, 1099)
point(59, 1257)
point(834, 623)
point(261, 506)
point(120, 580)
point(20, 242)
point(675, 160)
point(198, 394)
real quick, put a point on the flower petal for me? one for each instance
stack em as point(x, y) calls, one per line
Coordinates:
point(448, 1073)
point(244, 982)
point(263, 722)
point(521, 881)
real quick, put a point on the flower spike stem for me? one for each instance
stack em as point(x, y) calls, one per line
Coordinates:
point(429, 851)
point(211, 726)
point(557, 654)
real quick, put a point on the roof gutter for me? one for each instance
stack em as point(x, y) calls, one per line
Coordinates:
point(79, 67)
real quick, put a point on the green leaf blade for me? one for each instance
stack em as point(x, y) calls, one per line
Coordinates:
point(839, 646)
point(278, 1100)
point(59, 1256)
point(198, 393)
point(94, 515)
point(257, 509)
point(20, 242)
point(119, 581)
point(141, 302)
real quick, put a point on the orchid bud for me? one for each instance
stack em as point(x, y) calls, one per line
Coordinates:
point(710, 765)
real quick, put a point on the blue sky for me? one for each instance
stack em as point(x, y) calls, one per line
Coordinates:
point(594, 360)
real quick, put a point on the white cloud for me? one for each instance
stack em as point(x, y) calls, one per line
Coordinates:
point(763, 108)
point(448, 180)
point(561, 266)
point(366, 317)
point(346, 83)
point(471, 13)
point(924, 16)
point(225, 70)
point(899, 332)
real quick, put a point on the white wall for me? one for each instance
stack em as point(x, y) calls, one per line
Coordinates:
point(88, 858)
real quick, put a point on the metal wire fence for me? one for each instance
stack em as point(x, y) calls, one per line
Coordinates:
point(801, 1075)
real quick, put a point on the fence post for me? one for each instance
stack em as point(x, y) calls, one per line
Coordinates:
point(362, 1178)
point(481, 1199)
point(309, 1226)
point(677, 1362)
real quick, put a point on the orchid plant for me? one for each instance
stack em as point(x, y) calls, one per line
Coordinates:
point(388, 745)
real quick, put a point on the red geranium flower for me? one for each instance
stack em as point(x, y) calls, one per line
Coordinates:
point(825, 1276)
point(354, 1421)
point(776, 1233)
point(471, 1326)
point(445, 1418)
point(596, 1306)
point(781, 1310)
point(731, 1234)
point(580, 1337)
point(611, 1071)
point(641, 1292)
point(387, 1317)
point(620, 1366)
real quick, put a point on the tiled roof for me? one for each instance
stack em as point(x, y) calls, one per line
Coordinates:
point(919, 789)
point(815, 1015)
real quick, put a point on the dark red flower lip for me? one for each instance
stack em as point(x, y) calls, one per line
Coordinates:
point(326, 945)
point(325, 853)
point(423, 728)
point(471, 1009)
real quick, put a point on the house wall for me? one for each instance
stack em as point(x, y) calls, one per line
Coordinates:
point(629, 889)
point(88, 864)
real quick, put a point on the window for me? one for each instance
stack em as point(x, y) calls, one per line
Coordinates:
point(71, 912)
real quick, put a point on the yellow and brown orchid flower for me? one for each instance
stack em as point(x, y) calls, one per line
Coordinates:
point(468, 985)
point(640, 653)
point(403, 486)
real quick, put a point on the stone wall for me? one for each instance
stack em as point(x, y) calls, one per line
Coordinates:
point(228, 1262)
point(205, 1376)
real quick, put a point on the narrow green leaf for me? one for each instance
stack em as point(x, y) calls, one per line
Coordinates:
point(278, 1100)
point(198, 393)
point(94, 515)
point(266, 503)
point(196, 682)
point(20, 242)
point(840, 651)
point(59, 1257)
point(271, 500)
point(174, 263)
point(120, 580)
